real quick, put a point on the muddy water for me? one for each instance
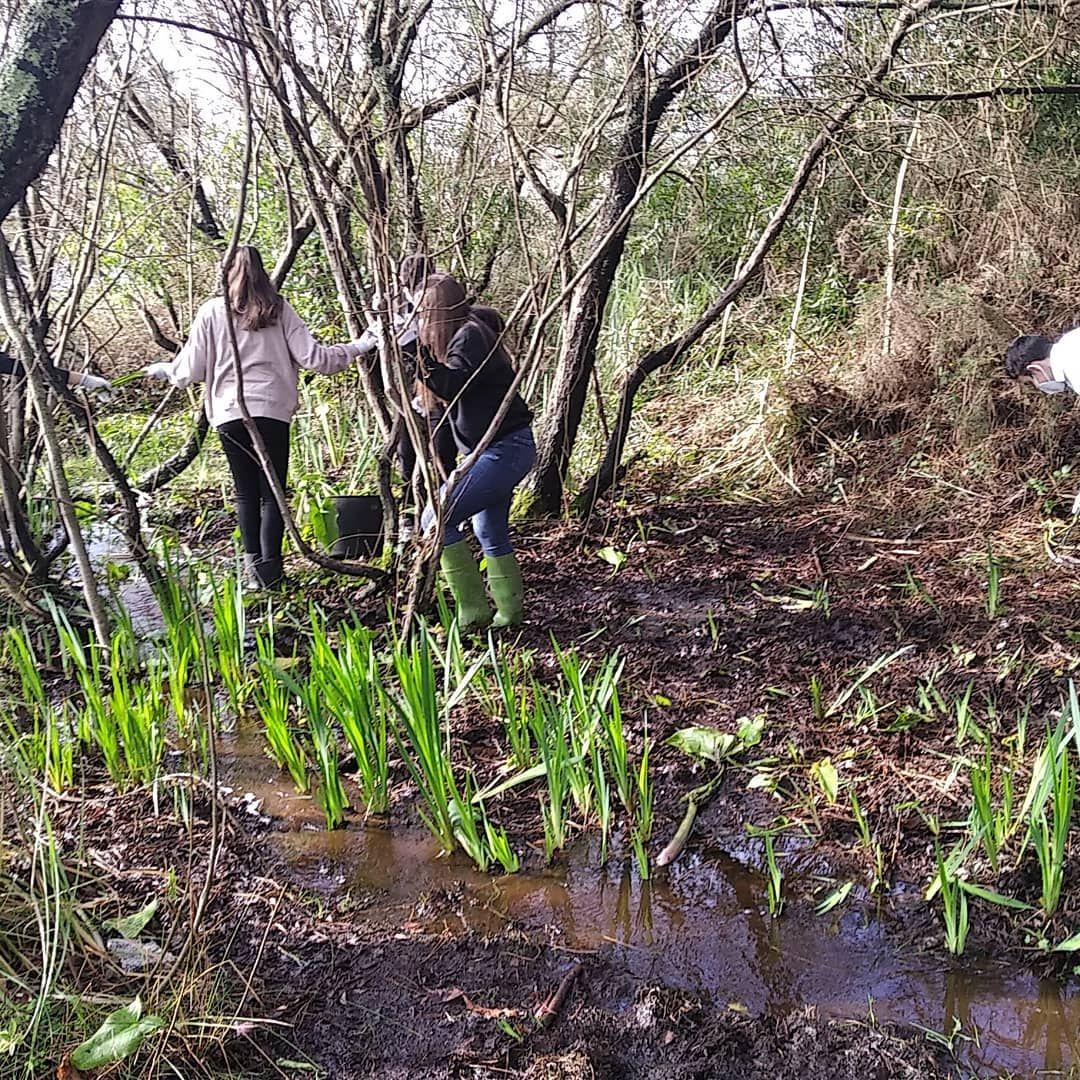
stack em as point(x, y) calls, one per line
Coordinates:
point(698, 926)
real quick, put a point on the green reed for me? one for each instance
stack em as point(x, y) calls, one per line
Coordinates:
point(1050, 834)
point(425, 747)
point(271, 699)
point(548, 725)
point(954, 906)
point(642, 828)
point(774, 878)
point(138, 710)
point(348, 681)
point(230, 627)
point(508, 678)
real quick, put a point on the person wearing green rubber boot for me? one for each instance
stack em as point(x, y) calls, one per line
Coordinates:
point(463, 363)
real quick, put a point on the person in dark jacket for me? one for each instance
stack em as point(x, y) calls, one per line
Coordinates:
point(413, 275)
point(462, 363)
point(10, 366)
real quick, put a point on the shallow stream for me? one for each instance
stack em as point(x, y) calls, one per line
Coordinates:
point(698, 926)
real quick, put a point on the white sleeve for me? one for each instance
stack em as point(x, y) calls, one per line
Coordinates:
point(307, 352)
point(190, 363)
point(1065, 360)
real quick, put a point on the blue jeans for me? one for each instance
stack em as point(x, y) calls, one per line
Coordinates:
point(484, 494)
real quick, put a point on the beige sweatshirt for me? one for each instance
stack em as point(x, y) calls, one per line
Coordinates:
point(270, 360)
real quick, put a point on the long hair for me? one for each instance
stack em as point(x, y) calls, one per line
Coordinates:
point(252, 296)
point(444, 310)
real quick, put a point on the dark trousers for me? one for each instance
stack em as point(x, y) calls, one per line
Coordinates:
point(442, 444)
point(262, 527)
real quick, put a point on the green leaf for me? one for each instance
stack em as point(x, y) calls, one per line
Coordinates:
point(995, 897)
point(750, 729)
point(534, 772)
point(612, 556)
point(709, 743)
point(879, 664)
point(123, 380)
point(131, 926)
point(1070, 944)
point(834, 899)
point(824, 772)
point(121, 1034)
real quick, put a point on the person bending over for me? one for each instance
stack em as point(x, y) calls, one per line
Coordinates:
point(461, 362)
point(1052, 367)
point(273, 345)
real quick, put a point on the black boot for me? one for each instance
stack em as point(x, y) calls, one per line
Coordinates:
point(270, 573)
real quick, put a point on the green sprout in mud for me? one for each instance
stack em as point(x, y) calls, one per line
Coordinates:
point(954, 907)
point(774, 879)
point(869, 843)
point(993, 585)
point(1050, 834)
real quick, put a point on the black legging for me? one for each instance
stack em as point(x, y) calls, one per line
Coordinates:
point(262, 527)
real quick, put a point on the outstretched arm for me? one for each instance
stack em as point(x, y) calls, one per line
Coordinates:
point(307, 353)
point(10, 366)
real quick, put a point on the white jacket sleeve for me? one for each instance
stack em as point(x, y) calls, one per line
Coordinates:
point(1065, 360)
point(190, 363)
point(307, 353)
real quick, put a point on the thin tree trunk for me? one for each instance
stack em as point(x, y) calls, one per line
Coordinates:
point(586, 312)
point(604, 477)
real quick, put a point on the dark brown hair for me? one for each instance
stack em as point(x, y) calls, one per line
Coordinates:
point(252, 296)
point(444, 310)
point(488, 317)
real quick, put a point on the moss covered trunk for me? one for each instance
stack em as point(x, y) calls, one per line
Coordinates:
point(38, 83)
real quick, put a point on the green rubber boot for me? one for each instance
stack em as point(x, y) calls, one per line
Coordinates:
point(504, 582)
point(466, 585)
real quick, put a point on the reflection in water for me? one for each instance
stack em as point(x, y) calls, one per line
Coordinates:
point(699, 926)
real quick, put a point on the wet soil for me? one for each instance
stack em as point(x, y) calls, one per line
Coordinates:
point(421, 969)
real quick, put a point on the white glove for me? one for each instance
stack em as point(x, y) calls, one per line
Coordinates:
point(369, 340)
point(94, 384)
point(160, 371)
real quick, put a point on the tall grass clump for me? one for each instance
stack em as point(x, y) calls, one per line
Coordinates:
point(271, 699)
point(422, 735)
point(347, 680)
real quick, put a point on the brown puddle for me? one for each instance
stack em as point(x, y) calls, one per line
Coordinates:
point(698, 926)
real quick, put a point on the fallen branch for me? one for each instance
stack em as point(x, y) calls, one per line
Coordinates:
point(548, 1012)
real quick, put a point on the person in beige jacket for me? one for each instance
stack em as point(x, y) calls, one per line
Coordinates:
point(273, 345)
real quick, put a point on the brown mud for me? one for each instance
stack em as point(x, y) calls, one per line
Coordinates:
point(387, 961)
